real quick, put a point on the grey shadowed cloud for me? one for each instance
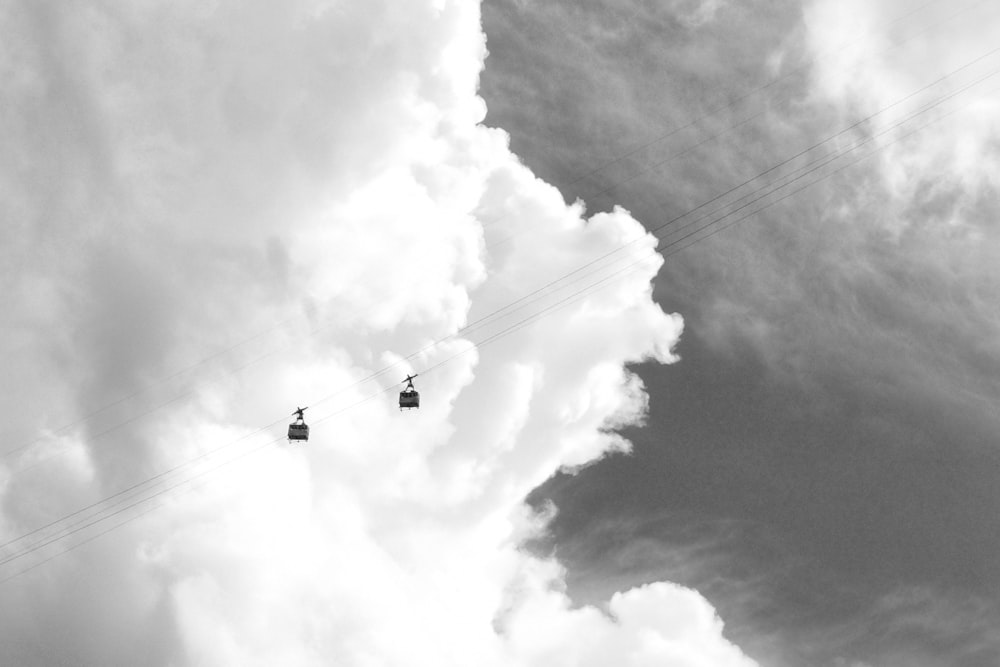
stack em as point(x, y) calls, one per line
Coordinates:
point(827, 444)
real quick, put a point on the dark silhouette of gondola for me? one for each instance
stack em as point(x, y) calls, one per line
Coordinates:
point(298, 430)
point(409, 397)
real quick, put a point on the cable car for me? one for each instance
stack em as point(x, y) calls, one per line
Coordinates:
point(409, 398)
point(298, 430)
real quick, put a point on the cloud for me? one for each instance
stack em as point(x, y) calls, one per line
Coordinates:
point(654, 624)
point(900, 247)
point(912, 625)
point(279, 200)
point(895, 255)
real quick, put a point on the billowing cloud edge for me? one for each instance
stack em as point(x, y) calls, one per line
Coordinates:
point(192, 176)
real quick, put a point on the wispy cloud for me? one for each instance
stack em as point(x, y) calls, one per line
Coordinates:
point(840, 376)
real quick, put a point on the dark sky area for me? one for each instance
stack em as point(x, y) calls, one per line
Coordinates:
point(823, 462)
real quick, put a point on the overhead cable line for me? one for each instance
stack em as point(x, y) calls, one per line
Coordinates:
point(498, 335)
point(528, 298)
point(645, 170)
point(141, 390)
point(773, 81)
point(100, 517)
point(854, 125)
point(65, 427)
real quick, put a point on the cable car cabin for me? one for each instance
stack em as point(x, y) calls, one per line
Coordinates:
point(298, 431)
point(409, 398)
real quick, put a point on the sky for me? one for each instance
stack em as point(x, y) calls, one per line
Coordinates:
point(216, 213)
point(822, 462)
point(777, 445)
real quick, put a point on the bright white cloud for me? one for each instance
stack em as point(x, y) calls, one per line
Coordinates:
point(871, 55)
point(179, 177)
point(656, 624)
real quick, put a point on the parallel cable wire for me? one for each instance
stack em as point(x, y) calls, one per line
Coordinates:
point(524, 322)
point(815, 165)
point(520, 302)
point(612, 186)
point(102, 516)
point(87, 522)
point(90, 439)
point(824, 160)
point(645, 170)
point(76, 545)
point(675, 246)
point(731, 223)
point(106, 516)
point(767, 171)
point(577, 295)
point(568, 300)
point(141, 390)
point(63, 428)
point(489, 316)
point(398, 363)
point(821, 164)
point(137, 486)
point(772, 82)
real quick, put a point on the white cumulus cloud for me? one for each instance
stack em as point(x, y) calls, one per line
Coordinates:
point(214, 213)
